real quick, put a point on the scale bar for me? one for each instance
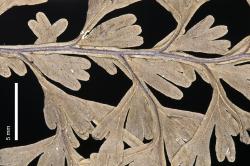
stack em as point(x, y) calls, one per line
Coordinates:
point(16, 111)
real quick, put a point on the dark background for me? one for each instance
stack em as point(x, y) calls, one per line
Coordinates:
point(156, 23)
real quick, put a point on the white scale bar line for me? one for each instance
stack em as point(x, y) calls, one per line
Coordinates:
point(16, 111)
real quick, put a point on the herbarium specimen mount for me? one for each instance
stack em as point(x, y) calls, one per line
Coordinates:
point(166, 67)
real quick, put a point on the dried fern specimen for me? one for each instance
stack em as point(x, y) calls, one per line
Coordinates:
point(165, 67)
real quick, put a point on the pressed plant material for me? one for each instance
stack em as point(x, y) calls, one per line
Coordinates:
point(139, 115)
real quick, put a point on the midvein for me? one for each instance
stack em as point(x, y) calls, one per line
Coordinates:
point(107, 52)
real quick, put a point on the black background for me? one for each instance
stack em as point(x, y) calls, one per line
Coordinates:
point(156, 23)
